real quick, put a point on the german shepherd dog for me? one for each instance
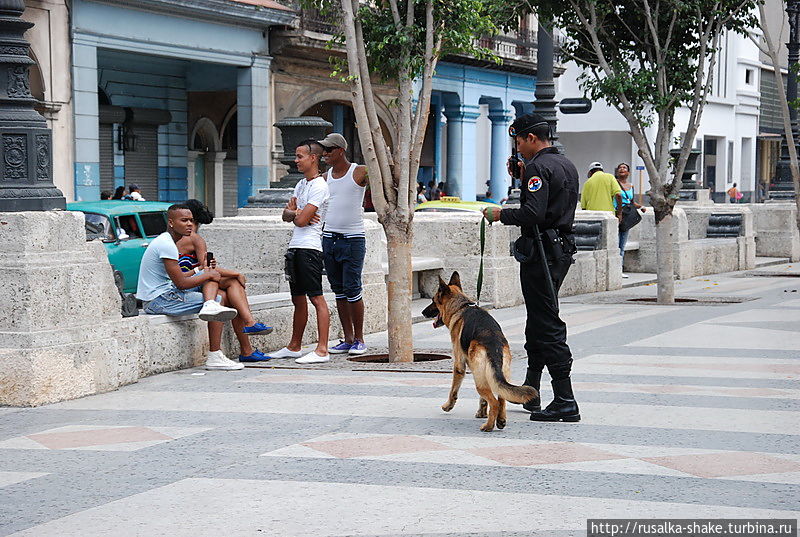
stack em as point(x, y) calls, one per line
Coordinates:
point(478, 342)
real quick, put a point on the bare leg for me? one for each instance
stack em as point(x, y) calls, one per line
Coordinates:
point(299, 320)
point(323, 324)
point(215, 328)
point(237, 298)
point(244, 339)
point(343, 307)
point(214, 335)
point(357, 315)
point(210, 289)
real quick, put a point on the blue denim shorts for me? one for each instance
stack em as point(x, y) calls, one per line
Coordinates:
point(344, 261)
point(176, 302)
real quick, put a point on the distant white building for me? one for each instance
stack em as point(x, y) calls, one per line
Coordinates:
point(727, 135)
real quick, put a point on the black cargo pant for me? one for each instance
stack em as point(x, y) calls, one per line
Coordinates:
point(545, 332)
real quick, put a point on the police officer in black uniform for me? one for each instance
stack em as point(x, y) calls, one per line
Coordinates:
point(548, 197)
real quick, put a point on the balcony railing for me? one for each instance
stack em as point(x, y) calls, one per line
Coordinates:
point(520, 45)
point(314, 21)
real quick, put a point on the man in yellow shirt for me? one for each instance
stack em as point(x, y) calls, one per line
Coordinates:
point(600, 191)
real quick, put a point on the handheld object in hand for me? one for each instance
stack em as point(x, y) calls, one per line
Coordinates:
point(209, 258)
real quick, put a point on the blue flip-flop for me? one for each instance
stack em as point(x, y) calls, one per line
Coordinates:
point(258, 328)
point(257, 356)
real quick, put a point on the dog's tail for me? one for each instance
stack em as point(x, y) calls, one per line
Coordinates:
point(510, 392)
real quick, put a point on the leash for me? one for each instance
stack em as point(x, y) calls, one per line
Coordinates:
point(480, 269)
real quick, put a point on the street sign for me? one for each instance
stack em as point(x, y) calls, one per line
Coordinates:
point(640, 168)
point(575, 105)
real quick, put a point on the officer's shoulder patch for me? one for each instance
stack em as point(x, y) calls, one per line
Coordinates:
point(534, 183)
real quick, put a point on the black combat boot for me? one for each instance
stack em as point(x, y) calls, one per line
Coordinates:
point(563, 407)
point(533, 379)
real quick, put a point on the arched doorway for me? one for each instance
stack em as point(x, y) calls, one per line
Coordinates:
point(343, 118)
point(229, 138)
point(205, 178)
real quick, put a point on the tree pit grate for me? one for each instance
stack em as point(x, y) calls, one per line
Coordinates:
point(384, 358)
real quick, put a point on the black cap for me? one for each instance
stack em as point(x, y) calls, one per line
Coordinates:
point(525, 123)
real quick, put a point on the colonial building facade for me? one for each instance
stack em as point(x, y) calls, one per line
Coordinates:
point(181, 98)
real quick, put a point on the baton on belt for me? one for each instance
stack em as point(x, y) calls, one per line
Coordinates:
point(551, 289)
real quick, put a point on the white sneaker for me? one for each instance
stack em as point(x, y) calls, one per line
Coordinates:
point(625, 276)
point(313, 358)
point(216, 360)
point(285, 353)
point(214, 311)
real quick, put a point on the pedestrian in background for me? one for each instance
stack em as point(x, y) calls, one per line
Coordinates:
point(622, 173)
point(601, 192)
point(119, 193)
point(421, 194)
point(734, 195)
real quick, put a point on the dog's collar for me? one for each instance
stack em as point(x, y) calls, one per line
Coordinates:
point(472, 304)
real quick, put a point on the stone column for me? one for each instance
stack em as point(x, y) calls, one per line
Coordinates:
point(498, 184)
point(436, 117)
point(461, 166)
point(214, 174)
point(87, 120)
point(254, 124)
point(191, 187)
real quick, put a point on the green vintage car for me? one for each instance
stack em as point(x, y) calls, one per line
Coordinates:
point(453, 204)
point(126, 229)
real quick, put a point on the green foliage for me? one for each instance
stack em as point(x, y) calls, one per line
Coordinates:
point(654, 71)
point(393, 50)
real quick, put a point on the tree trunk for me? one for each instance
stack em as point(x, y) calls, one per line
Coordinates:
point(398, 290)
point(665, 272)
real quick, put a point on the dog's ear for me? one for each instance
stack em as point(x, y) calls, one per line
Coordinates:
point(443, 288)
point(455, 279)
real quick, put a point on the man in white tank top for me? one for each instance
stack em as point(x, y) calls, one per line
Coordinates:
point(344, 242)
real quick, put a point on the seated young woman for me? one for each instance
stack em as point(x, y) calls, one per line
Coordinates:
point(192, 251)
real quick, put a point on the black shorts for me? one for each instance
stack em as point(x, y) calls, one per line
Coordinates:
point(304, 270)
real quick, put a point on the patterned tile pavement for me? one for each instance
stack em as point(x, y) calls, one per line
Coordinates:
point(688, 411)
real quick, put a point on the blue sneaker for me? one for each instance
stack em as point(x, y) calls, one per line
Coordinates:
point(342, 348)
point(257, 356)
point(358, 347)
point(258, 328)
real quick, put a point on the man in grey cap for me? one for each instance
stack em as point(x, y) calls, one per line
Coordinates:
point(344, 241)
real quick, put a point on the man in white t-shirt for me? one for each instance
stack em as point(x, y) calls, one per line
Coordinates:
point(165, 289)
point(304, 262)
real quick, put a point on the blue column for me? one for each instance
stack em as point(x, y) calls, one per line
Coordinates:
point(436, 117)
point(254, 126)
point(87, 119)
point(499, 179)
point(461, 165)
point(338, 118)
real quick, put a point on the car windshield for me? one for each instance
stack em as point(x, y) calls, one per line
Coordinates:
point(98, 226)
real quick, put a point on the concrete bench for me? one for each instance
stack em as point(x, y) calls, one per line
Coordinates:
point(776, 230)
point(420, 267)
point(179, 342)
point(707, 239)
